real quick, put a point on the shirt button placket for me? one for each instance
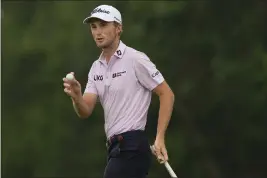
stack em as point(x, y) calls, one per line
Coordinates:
point(107, 83)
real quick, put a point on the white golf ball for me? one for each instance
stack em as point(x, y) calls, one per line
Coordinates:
point(69, 77)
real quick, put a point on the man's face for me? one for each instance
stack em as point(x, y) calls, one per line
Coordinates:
point(104, 33)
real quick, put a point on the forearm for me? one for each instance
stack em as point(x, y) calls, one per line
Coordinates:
point(165, 112)
point(81, 108)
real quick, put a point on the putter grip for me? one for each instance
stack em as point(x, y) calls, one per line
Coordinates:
point(171, 172)
point(167, 165)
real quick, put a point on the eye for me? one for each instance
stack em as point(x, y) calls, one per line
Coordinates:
point(93, 26)
point(103, 24)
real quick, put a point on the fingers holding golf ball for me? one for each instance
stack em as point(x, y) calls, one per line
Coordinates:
point(70, 81)
point(70, 76)
point(72, 86)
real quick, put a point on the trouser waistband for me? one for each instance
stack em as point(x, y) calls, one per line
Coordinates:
point(124, 136)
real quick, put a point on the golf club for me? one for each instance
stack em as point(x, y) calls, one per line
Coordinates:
point(167, 165)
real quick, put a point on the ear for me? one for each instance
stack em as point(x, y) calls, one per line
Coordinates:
point(119, 28)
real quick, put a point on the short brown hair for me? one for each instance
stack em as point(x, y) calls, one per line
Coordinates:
point(116, 24)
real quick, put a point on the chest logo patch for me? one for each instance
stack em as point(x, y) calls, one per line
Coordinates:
point(98, 77)
point(118, 74)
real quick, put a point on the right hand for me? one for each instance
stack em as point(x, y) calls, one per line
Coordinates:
point(72, 88)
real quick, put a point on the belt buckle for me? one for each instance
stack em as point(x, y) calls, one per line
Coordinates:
point(120, 138)
point(114, 138)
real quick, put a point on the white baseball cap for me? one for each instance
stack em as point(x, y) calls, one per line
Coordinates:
point(106, 13)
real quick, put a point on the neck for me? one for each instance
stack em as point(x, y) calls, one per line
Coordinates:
point(109, 51)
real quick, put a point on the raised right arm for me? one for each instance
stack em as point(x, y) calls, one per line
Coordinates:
point(84, 105)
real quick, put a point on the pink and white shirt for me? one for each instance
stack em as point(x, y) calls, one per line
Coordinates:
point(124, 87)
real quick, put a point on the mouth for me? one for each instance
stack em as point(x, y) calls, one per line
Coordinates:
point(99, 39)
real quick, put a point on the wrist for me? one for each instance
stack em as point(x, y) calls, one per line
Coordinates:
point(76, 99)
point(160, 136)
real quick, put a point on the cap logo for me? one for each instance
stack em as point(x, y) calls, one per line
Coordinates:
point(99, 10)
point(117, 18)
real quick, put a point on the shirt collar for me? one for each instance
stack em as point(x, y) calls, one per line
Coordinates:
point(120, 50)
point(118, 53)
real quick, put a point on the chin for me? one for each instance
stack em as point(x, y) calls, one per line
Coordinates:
point(103, 45)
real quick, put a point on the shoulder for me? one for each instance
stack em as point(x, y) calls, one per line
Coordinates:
point(135, 54)
point(95, 66)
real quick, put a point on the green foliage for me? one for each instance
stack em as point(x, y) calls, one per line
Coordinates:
point(213, 55)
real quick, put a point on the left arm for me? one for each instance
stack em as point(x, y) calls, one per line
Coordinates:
point(151, 78)
point(166, 98)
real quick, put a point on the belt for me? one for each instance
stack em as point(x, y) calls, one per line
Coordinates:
point(114, 139)
point(119, 137)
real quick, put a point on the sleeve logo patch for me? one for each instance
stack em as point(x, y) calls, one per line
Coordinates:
point(155, 74)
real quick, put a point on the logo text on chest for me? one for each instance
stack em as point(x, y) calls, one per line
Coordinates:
point(117, 74)
point(98, 77)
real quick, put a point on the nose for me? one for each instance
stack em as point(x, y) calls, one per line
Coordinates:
point(98, 31)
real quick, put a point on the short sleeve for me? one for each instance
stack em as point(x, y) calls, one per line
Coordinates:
point(147, 73)
point(90, 86)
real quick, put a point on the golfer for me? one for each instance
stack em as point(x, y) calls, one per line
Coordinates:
point(123, 79)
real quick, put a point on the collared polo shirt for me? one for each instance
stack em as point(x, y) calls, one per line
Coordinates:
point(124, 87)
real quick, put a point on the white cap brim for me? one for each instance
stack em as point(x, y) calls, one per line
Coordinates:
point(102, 16)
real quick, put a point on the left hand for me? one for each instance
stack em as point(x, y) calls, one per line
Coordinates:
point(160, 151)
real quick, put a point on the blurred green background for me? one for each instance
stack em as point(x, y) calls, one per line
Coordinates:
point(212, 53)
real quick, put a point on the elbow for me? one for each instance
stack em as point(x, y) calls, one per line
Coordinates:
point(84, 116)
point(168, 95)
point(172, 96)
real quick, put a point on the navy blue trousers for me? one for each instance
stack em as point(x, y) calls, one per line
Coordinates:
point(129, 156)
